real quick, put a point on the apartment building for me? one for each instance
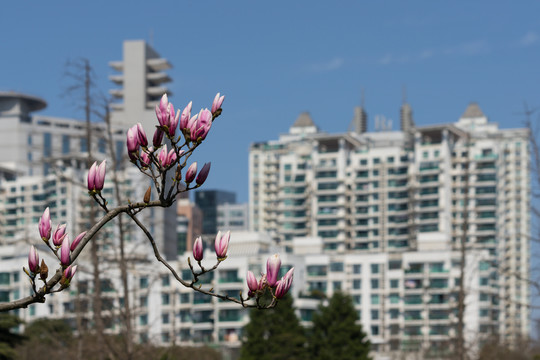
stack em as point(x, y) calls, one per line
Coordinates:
point(422, 189)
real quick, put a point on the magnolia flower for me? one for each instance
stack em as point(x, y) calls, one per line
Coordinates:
point(191, 173)
point(184, 118)
point(77, 241)
point(218, 100)
point(222, 244)
point(33, 260)
point(132, 139)
point(252, 283)
point(272, 269)
point(45, 225)
point(203, 174)
point(64, 252)
point(283, 285)
point(59, 234)
point(198, 249)
point(141, 135)
point(96, 176)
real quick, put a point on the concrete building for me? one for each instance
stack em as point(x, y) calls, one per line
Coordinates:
point(233, 217)
point(423, 189)
point(208, 201)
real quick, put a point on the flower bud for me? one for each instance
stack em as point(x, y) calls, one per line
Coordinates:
point(252, 283)
point(216, 105)
point(158, 138)
point(222, 244)
point(132, 140)
point(147, 195)
point(203, 174)
point(173, 121)
point(145, 159)
point(92, 177)
point(99, 182)
point(43, 270)
point(45, 225)
point(191, 172)
point(283, 285)
point(68, 274)
point(198, 249)
point(33, 260)
point(184, 118)
point(171, 157)
point(77, 241)
point(163, 157)
point(272, 269)
point(162, 111)
point(141, 136)
point(64, 252)
point(59, 234)
point(201, 126)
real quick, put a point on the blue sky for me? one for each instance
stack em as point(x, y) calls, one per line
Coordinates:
point(274, 60)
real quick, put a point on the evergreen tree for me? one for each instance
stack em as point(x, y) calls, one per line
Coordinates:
point(9, 339)
point(335, 334)
point(274, 334)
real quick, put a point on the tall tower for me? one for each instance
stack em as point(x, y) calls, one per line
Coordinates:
point(142, 80)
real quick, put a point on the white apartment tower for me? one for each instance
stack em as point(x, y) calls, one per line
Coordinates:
point(421, 189)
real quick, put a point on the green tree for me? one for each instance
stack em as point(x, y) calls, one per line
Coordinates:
point(274, 334)
point(9, 339)
point(335, 334)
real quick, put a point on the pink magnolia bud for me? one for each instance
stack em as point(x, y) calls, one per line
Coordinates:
point(132, 139)
point(203, 174)
point(68, 274)
point(162, 111)
point(145, 159)
point(99, 181)
point(141, 136)
point(33, 260)
point(70, 271)
point(171, 157)
point(198, 249)
point(200, 128)
point(92, 177)
point(64, 252)
point(283, 285)
point(191, 172)
point(216, 105)
point(77, 241)
point(45, 225)
point(252, 283)
point(59, 234)
point(173, 121)
point(163, 156)
point(263, 282)
point(222, 244)
point(184, 118)
point(272, 269)
point(158, 138)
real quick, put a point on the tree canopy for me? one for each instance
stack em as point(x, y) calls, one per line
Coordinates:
point(335, 334)
point(274, 334)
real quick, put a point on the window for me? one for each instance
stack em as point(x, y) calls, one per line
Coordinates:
point(357, 284)
point(143, 282)
point(65, 144)
point(374, 283)
point(394, 283)
point(374, 268)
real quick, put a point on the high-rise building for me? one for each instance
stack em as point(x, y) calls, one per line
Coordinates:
point(208, 201)
point(421, 189)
